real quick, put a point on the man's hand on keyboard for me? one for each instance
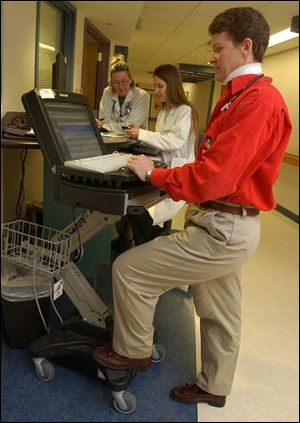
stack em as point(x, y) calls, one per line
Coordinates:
point(140, 165)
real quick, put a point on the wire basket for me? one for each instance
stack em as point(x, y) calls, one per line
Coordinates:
point(30, 245)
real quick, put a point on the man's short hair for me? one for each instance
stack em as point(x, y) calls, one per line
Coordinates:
point(243, 22)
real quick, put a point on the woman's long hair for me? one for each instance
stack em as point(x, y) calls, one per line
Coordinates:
point(175, 92)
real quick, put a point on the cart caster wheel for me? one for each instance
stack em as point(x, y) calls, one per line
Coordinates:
point(124, 402)
point(44, 370)
point(158, 353)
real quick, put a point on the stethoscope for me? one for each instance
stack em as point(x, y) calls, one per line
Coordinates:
point(229, 103)
point(208, 138)
point(127, 109)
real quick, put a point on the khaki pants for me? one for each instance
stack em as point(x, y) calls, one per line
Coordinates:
point(208, 255)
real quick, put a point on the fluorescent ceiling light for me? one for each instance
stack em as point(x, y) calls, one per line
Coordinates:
point(282, 36)
point(42, 45)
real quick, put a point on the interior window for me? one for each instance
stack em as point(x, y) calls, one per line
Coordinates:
point(49, 44)
point(55, 34)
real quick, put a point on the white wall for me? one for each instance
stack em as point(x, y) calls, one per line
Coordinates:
point(284, 69)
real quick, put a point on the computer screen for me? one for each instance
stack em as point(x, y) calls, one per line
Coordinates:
point(64, 125)
point(73, 129)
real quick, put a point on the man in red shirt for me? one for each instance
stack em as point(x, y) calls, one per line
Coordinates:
point(227, 185)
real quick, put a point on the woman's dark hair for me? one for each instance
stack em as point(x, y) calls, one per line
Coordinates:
point(241, 23)
point(175, 92)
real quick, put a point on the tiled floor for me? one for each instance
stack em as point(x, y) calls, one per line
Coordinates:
point(266, 385)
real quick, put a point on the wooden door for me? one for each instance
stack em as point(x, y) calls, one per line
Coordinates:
point(89, 72)
point(95, 64)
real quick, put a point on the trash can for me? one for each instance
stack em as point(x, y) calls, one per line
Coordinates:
point(31, 256)
point(22, 322)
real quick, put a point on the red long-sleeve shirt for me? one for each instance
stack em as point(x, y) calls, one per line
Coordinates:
point(239, 157)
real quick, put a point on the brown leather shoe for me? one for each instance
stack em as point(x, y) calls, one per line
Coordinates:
point(192, 394)
point(109, 358)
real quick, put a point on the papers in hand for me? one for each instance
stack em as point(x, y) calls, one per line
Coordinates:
point(114, 137)
point(114, 134)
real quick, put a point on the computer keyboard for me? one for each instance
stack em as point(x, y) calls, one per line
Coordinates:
point(139, 148)
point(103, 164)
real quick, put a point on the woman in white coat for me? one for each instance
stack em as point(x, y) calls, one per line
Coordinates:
point(176, 131)
point(122, 102)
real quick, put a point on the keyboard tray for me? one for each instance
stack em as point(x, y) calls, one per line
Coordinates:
point(108, 193)
point(115, 179)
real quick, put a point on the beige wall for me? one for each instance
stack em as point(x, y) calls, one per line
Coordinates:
point(78, 48)
point(284, 69)
point(18, 59)
point(199, 96)
point(18, 52)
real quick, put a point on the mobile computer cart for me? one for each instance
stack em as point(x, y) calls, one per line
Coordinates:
point(65, 128)
point(48, 252)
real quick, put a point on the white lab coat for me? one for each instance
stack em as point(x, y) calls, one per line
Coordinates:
point(173, 135)
point(135, 109)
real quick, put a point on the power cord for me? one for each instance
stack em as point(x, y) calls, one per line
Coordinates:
point(37, 300)
point(77, 257)
point(50, 283)
point(21, 195)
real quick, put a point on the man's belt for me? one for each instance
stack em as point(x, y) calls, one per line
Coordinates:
point(227, 208)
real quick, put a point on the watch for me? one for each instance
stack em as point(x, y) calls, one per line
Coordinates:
point(148, 175)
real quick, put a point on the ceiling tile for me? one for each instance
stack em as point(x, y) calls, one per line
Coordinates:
point(146, 38)
point(212, 8)
point(279, 14)
point(174, 31)
point(178, 6)
point(166, 16)
point(159, 27)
